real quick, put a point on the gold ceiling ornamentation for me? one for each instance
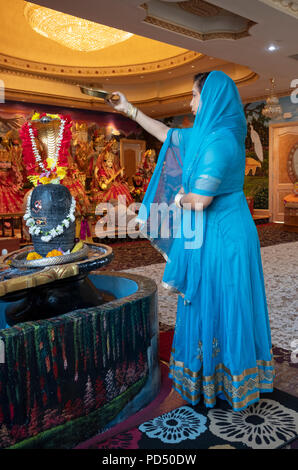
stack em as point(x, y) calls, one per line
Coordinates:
point(49, 98)
point(195, 34)
point(69, 73)
point(42, 98)
point(199, 7)
point(287, 6)
point(70, 31)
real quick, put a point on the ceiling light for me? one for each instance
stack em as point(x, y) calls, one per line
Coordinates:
point(272, 108)
point(70, 31)
point(272, 48)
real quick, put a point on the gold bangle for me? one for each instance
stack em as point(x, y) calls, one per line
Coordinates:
point(128, 111)
point(135, 113)
point(177, 200)
point(132, 111)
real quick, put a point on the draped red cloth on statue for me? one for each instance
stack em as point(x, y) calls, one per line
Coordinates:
point(11, 198)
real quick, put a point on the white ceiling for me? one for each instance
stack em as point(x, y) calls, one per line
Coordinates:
point(275, 23)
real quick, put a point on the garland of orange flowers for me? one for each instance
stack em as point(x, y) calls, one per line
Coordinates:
point(32, 158)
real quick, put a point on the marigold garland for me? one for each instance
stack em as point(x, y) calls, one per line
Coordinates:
point(54, 253)
point(33, 255)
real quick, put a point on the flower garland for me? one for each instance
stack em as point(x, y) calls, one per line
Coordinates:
point(34, 229)
point(55, 170)
point(137, 193)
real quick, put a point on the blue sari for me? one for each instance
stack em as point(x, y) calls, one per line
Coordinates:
point(222, 341)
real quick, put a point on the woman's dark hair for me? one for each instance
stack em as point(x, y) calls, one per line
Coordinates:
point(199, 80)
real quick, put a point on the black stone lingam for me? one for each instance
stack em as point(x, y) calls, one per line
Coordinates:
point(50, 204)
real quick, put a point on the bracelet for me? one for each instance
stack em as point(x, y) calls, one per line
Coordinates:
point(132, 111)
point(178, 198)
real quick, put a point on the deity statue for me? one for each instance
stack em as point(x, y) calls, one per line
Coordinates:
point(11, 195)
point(84, 156)
point(11, 177)
point(79, 132)
point(46, 140)
point(109, 181)
point(137, 190)
point(50, 207)
point(146, 169)
point(99, 142)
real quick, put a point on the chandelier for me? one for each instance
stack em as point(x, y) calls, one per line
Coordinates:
point(70, 31)
point(272, 108)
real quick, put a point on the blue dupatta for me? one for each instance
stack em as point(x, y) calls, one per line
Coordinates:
point(198, 160)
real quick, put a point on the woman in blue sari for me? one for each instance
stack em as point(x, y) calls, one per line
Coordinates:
point(222, 341)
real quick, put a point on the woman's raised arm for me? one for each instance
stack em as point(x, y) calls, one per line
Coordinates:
point(154, 127)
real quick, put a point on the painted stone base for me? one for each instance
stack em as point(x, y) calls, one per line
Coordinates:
point(75, 375)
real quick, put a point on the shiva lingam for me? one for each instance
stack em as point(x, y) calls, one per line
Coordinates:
point(50, 217)
point(109, 351)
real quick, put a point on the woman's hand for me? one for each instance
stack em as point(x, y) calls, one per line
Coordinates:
point(156, 128)
point(195, 201)
point(121, 104)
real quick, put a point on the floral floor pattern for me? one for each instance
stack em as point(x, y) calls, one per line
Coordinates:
point(271, 423)
point(128, 434)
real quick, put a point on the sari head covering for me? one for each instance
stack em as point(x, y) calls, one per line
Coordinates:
point(198, 159)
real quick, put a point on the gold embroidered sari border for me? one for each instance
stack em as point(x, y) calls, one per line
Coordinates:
point(212, 401)
point(259, 361)
point(210, 378)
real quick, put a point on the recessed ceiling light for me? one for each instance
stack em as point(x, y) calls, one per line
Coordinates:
point(272, 48)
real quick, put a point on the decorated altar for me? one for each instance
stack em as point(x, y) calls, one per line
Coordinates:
point(93, 170)
point(80, 350)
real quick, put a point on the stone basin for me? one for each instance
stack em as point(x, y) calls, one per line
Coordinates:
point(67, 378)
